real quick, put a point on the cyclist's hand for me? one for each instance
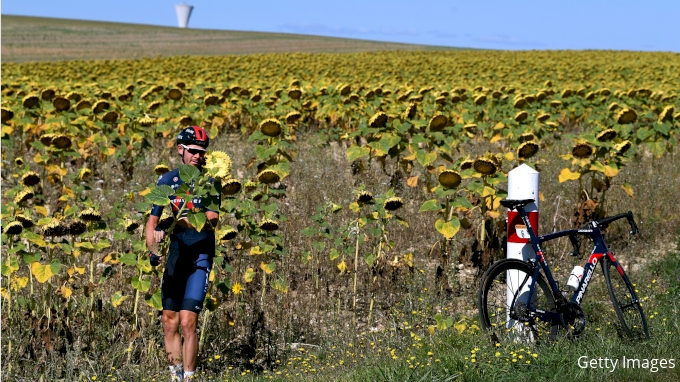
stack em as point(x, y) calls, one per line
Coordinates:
point(158, 236)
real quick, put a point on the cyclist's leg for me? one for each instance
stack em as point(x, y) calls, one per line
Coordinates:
point(194, 294)
point(171, 306)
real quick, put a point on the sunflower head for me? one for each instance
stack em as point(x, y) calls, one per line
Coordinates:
point(411, 110)
point(543, 117)
point(161, 169)
point(250, 186)
point(30, 101)
point(393, 204)
point(175, 94)
point(466, 164)
point(519, 103)
point(23, 196)
point(61, 141)
point(19, 161)
point(30, 179)
point(147, 121)
point(218, 164)
point(100, 106)
point(480, 99)
point(470, 127)
point(582, 150)
point(378, 119)
point(521, 116)
point(485, 166)
point(55, 227)
point(185, 120)
point(623, 147)
point(47, 94)
point(666, 114)
point(268, 176)
point(527, 149)
point(26, 222)
point(227, 233)
point(154, 105)
point(84, 174)
point(211, 99)
point(294, 93)
point(293, 117)
point(271, 127)
point(528, 136)
point(450, 179)
point(268, 225)
point(46, 139)
point(90, 215)
point(83, 104)
point(76, 227)
point(13, 228)
point(438, 122)
point(130, 225)
point(606, 135)
point(230, 187)
point(364, 197)
point(7, 114)
point(626, 115)
point(613, 106)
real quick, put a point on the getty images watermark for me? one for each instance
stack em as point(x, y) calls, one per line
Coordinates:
point(611, 364)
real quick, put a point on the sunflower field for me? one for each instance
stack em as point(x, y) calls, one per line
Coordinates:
point(350, 184)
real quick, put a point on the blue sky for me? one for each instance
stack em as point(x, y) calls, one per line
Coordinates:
point(650, 25)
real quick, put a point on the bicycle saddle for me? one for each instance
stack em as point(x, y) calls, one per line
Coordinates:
point(513, 204)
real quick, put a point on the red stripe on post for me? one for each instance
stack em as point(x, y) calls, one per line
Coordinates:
point(514, 219)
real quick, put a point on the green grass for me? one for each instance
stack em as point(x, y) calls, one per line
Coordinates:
point(48, 39)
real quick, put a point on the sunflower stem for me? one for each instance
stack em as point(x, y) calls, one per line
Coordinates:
point(356, 269)
point(204, 326)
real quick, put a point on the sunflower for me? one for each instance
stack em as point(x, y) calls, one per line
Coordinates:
point(154, 105)
point(30, 101)
point(294, 93)
point(268, 176)
point(268, 225)
point(470, 127)
point(161, 169)
point(440, 100)
point(250, 186)
point(543, 117)
point(26, 222)
point(393, 204)
point(526, 137)
point(466, 164)
point(293, 117)
point(74, 96)
point(110, 117)
point(484, 166)
point(626, 115)
point(666, 114)
point(480, 99)
point(61, 141)
point(90, 215)
point(130, 225)
point(30, 179)
point(271, 127)
point(84, 174)
point(455, 98)
point(521, 116)
point(13, 228)
point(227, 233)
point(61, 103)
point(606, 135)
point(166, 219)
point(438, 122)
point(378, 119)
point(47, 94)
point(364, 197)
point(582, 151)
point(623, 147)
point(100, 106)
point(218, 164)
point(7, 114)
point(185, 120)
point(76, 227)
point(56, 227)
point(147, 121)
point(411, 110)
point(231, 186)
point(527, 149)
point(175, 94)
point(345, 89)
point(519, 103)
point(23, 196)
point(211, 99)
point(83, 104)
point(555, 103)
point(450, 179)
point(19, 161)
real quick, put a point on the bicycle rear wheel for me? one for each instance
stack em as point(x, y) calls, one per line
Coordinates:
point(504, 315)
point(626, 304)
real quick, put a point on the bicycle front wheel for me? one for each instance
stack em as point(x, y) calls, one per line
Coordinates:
point(625, 300)
point(504, 304)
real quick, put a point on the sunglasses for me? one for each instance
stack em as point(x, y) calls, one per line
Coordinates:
point(193, 151)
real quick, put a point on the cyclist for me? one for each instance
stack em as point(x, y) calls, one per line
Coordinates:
point(185, 278)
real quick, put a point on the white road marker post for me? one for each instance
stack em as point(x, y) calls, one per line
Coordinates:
point(522, 184)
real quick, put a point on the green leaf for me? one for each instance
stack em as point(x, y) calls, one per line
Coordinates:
point(154, 300)
point(386, 142)
point(461, 202)
point(188, 173)
point(140, 284)
point(430, 205)
point(160, 195)
point(355, 152)
point(101, 244)
point(269, 209)
point(309, 231)
point(31, 258)
point(426, 158)
point(16, 249)
point(334, 254)
point(117, 299)
point(197, 219)
point(401, 220)
point(55, 266)
point(128, 259)
point(448, 229)
point(369, 259)
point(476, 186)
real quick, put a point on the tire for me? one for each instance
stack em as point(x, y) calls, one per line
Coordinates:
point(494, 310)
point(626, 304)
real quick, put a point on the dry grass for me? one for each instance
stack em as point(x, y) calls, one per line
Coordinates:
point(47, 39)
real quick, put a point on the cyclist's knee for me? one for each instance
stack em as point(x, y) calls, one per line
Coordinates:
point(170, 321)
point(188, 321)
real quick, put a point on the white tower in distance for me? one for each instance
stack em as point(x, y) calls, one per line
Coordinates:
point(183, 14)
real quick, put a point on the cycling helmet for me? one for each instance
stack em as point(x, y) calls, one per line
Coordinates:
point(193, 135)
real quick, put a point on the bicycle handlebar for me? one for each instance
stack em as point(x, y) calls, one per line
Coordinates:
point(603, 223)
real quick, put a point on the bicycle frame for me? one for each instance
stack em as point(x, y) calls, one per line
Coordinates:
point(600, 250)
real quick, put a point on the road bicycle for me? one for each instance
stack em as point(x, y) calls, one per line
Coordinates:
point(519, 303)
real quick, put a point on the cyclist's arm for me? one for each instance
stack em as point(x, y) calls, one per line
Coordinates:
point(153, 237)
